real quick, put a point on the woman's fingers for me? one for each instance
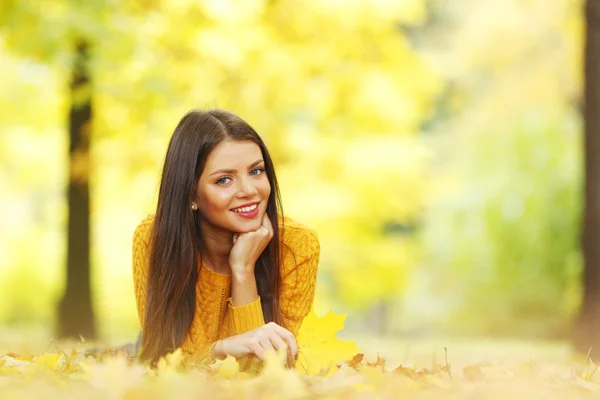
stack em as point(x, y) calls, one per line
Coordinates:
point(266, 223)
point(278, 343)
point(257, 350)
point(289, 338)
point(267, 347)
point(260, 341)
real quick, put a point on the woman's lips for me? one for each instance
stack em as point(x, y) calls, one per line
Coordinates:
point(248, 212)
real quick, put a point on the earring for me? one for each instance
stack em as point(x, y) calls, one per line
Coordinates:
point(193, 207)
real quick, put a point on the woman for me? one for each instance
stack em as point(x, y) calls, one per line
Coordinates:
point(217, 269)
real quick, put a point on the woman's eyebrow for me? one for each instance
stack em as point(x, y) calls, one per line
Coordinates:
point(231, 171)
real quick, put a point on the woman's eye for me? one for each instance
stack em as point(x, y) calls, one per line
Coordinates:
point(257, 171)
point(223, 180)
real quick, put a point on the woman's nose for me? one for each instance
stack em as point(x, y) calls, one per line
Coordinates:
point(246, 188)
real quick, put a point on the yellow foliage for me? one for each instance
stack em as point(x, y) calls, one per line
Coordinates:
point(227, 368)
point(320, 350)
point(337, 92)
point(116, 377)
point(48, 360)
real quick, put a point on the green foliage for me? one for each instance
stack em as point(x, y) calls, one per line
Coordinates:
point(503, 236)
point(511, 248)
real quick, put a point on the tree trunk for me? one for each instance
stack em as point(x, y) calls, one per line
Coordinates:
point(587, 333)
point(75, 314)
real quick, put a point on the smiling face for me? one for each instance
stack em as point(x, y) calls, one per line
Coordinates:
point(233, 189)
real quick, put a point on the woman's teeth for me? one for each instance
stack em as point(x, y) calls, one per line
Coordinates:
point(245, 209)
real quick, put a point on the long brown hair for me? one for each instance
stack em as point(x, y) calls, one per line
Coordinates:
point(176, 238)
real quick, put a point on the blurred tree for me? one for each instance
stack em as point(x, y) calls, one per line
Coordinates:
point(68, 32)
point(75, 312)
point(587, 333)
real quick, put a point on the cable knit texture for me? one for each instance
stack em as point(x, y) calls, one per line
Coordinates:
point(216, 317)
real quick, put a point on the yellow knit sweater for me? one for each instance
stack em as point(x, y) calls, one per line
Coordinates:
point(216, 317)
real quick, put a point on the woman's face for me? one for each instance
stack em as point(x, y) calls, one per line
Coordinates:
point(233, 188)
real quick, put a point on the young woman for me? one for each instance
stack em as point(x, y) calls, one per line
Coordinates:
point(217, 269)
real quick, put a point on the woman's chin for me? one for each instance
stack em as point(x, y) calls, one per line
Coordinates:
point(245, 225)
point(250, 226)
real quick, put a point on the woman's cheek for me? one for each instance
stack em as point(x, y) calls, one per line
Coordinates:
point(225, 199)
point(265, 188)
point(215, 204)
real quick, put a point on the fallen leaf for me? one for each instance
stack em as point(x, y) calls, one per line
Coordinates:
point(320, 350)
point(48, 360)
point(379, 363)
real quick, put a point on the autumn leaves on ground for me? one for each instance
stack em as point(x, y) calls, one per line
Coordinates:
point(327, 367)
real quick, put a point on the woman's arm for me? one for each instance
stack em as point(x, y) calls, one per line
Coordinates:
point(243, 289)
point(246, 250)
point(245, 309)
point(297, 291)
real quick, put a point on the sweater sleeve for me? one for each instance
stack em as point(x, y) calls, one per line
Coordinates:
point(141, 265)
point(299, 278)
point(246, 317)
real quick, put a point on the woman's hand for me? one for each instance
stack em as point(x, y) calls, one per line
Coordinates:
point(259, 341)
point(247, 247)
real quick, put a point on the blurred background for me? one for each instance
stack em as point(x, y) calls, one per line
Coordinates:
point(435, 146)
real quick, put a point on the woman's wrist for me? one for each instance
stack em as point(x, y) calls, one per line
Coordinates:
point(242, 274)
point(243, 289)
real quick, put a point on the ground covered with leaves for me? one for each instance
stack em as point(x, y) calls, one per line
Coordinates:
point(327, 367)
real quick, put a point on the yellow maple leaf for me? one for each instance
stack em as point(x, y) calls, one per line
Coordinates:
point(320, 350)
